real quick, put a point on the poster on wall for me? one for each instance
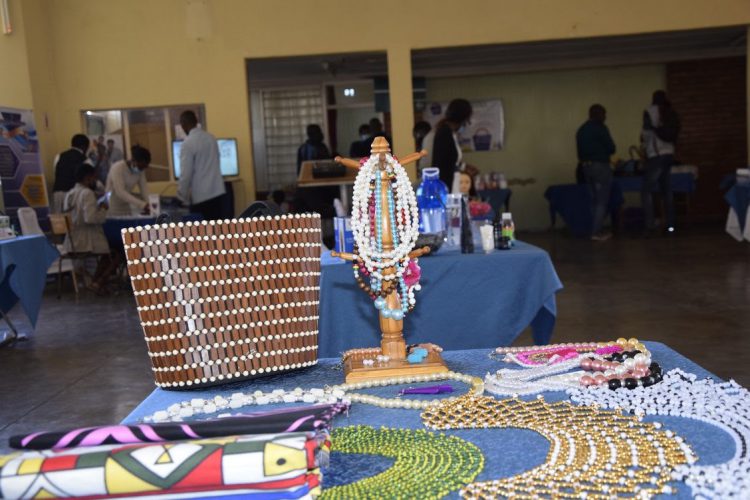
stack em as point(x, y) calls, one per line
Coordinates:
point(486, 132)
point(21, 166)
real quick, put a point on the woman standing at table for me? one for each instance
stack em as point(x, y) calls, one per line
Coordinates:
point(661, 126)
point(87, 216)
point(445, 150)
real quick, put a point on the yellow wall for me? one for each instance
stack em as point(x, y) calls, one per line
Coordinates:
point(109, 54)
point(15, 87)
point(543, 110)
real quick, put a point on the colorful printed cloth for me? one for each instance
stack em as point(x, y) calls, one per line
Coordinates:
point(298, 419)
point(263, 466)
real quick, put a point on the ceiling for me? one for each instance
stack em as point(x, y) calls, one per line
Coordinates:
point(506, 58)
point(581, 52)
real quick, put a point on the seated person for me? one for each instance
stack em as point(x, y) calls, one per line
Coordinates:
point(123, 177)
point(466, 186)
point(87, 216)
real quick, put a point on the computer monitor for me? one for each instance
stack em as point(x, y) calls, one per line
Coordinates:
point(227, 157)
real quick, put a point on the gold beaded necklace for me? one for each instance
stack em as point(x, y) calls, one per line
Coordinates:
point(593, 453)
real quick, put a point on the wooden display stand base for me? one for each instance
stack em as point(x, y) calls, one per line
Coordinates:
point(356, 371)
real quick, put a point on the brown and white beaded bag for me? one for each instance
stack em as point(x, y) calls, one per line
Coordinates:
point(223, 301)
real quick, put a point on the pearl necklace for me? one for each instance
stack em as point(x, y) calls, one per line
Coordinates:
point(403, 217)
point(593, 453)
point(627, 369)
point(530, 356)
point(330, 394)
point(725, 405)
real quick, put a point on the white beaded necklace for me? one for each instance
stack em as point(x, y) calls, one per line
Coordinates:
point(406, 216)
point(725, 405)
point(330, 394)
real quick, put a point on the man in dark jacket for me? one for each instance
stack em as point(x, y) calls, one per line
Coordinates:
point(66, 166)
point(595, 146)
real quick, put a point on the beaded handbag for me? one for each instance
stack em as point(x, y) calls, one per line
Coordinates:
point(223, 301)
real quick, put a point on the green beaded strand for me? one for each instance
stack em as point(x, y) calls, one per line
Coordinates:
point(428, 464)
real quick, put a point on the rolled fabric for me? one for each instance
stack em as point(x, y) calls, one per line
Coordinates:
point(298, 419)
point(285, 465)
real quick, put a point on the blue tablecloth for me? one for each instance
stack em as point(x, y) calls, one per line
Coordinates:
point(507, 451)
point(738, 198)
point(682, 182)
point(573, 203)
point(23, 272)
point(467, 301)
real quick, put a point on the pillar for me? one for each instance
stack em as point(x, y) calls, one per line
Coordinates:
point(402, 103)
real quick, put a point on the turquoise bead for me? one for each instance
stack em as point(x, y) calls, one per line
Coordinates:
point(379, 303)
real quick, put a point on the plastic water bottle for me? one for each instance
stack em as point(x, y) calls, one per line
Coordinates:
point(432, 196)
point(453, 216)
point(508, 232)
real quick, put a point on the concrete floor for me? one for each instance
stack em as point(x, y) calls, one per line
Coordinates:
point(87, 364)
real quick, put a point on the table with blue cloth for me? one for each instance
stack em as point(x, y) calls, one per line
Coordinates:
point(681, 182)
point(573, 203)
point(24, 261)
point(507, 451)
point(467, 301)
point(738, 198)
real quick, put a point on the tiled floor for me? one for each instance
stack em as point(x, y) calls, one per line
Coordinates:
point(87, 365)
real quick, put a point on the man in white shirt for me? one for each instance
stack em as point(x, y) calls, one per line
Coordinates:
point(123, 177)
point(201, 184)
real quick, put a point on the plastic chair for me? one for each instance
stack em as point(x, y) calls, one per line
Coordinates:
point(30, 226)
point(62, 226)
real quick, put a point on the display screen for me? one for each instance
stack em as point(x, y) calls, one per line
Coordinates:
point(227, 157)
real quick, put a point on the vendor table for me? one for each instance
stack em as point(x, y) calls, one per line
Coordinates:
point(467, 300)
point(573, 203)
point(682, 182)
point(738, 219)
point(506, 451)
point(24, 261)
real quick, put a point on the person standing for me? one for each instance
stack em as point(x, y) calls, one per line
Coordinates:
point(595, 146)
point(661, 127)
point(66, 165)
point(123, 177)
point(376, 130)
point(313, 148)
point(112, 155)
point(361, 148)
point(446, 151)
point(201, 184)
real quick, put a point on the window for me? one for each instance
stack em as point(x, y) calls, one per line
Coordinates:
point(279, 119)
point(153, 128)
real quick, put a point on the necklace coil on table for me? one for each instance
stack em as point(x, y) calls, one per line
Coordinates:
point(593, 453)
point(177, 412)
point(725, 405)
point(427, 464)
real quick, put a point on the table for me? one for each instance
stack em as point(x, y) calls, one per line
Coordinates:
point(306, 180)
point(573, 203)
point(506, 451)
point(24, 261)
point(738, 219)
point(113, 227)
point(499, 295)
point(681, 182)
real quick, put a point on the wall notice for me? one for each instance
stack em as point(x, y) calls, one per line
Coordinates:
point(20, 165)
point(486, 131)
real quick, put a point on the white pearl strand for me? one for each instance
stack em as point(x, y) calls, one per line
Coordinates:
point(333, 394)
point(405, 202)
point(725, 405)
point(510, 382)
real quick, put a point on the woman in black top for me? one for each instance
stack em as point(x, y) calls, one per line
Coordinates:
point(445, 153)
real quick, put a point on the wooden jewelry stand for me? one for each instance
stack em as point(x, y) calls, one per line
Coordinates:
point(392, 343)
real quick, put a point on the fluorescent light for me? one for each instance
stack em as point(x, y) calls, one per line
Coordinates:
point(89, 113)
point(349, 92)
